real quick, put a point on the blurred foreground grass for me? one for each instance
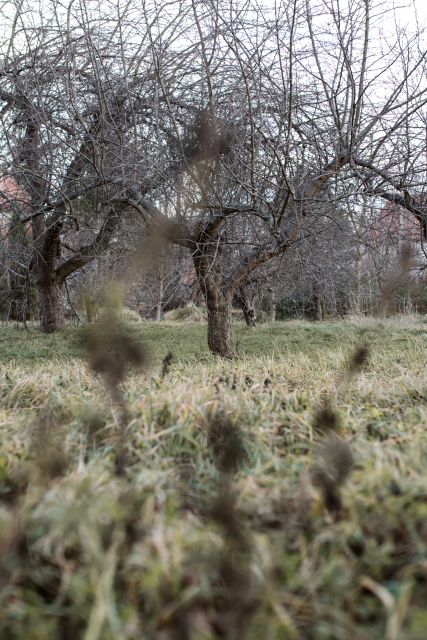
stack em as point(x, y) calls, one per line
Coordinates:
point(87, 554)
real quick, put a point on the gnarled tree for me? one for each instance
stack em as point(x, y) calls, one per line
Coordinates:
point(247, 123)
point(318, 107)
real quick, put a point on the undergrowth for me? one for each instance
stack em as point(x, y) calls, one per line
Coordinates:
point(282, 495)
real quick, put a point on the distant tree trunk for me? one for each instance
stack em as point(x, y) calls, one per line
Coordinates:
point(318, 309)
point(319, 312)
point(247, 307)
point(273, 306)
point(249, 315)
point(160, 294)
point(356, 297)
point(158, 312)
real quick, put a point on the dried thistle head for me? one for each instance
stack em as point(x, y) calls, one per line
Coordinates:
point(326, 418)
point(111, 350)
point(236, 596)
point(337, 459)
point(226, 442)
point(224, 512)
point(48, 445)
point(94, 424)
point(358, 359)
point(166, 365)
point(334, 465)
point(331, 494)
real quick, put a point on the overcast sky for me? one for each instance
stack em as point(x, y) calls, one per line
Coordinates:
point(412, 15)
point(409, 13)
point(406, 14)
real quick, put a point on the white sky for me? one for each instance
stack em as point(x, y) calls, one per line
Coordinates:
point(406, 12)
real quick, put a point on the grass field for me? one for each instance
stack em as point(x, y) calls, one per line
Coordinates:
point(281, 495)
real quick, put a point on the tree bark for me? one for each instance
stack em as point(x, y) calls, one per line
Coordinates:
point(47, 246)
point(220, 334)
point(208, 266)
point(51, 309)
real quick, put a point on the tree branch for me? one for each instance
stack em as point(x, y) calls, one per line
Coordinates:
point(92, 250)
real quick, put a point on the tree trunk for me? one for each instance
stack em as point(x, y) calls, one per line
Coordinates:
point(47, 251)
point(319, 309)
point(51, 309)
point(273, 307)
point(218, 296)
point(220, 334)
point(242, 299)
point(158, 312)
point(160, 296)
point(356, 298)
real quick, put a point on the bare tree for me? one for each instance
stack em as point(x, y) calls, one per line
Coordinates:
point(82, 129)
point(304, 107)
point(242, 121)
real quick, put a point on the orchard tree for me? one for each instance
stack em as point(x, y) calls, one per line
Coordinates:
point(82, 128)
point(310, 105)
point(241, 120)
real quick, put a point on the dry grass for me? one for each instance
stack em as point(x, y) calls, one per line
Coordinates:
point(92, 554)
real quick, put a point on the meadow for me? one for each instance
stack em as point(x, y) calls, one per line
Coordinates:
point(281, 495)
